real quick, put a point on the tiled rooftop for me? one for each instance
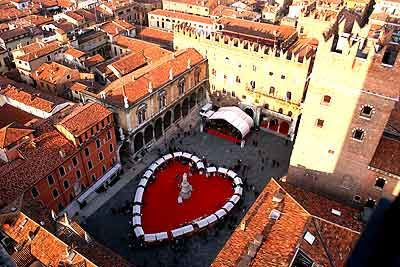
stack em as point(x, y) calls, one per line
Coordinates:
point(157, 74)
point(263, 30)
point(94, 60)
point(13, 133)
point(129, 63)
point(74, 52)
point(52, 72)
point(387, 155)
point(159, 37)
point(32, 97)
point(278, 240)
point(65, 247)
point(41, 52)
point(84, 117)
point(149, 50)
point(181, 16)
point(9, 114)
point(116, 26)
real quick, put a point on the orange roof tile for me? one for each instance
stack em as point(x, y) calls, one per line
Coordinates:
point(94, 60)
point(258, 29)
point(41, 52)
point(75, 52)
point(10, 114)
point(129, 63)
point(181, 16)
point(116, 26)
point(279, 239)
point(387, 155)
point(53, 72)
point(151, 51)
point(136, 83)
point(32, 98)
point(84, 117)
point(156, 36)
point(12, 133)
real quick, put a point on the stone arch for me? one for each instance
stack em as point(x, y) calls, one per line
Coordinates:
point(249, 112)
point(148, 134)
point(177, 112)
point(158, 131)
point(167, 119)
point(273, 125)
point(138, 142)
point(284, 128)
point(192, 101)
point(185, 107)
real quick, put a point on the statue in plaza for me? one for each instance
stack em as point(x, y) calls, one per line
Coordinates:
point(186, 189)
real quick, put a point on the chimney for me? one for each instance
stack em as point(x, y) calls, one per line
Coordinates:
point(62, 153)
point(53, 215)
point(66, 218)
point(126, 104)
point(150, 87)
point(171, 74)
point(87, 238)
point(188, 65)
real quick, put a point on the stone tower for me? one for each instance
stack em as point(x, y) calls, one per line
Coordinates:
point(353, 88)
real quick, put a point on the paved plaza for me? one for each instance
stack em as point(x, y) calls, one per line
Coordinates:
point(112, 228)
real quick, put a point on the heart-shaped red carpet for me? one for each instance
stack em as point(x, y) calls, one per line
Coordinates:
point(161, 211)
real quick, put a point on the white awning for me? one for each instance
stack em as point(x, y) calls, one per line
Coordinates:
point(99, 182)
point(236, 117)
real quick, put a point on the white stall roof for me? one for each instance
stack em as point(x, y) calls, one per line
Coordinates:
point(238, 181)
point(238, 190)
point(160, 161)
point(153, 167)
point(211, 169)
point(223, 170)
point(139, 194)
point(220, 213)
point(195, 159)
point(178, 154)
point(136, 209)
point(236, 117)
point(168, 156)
point(186, 155)
point(232, 174)
point(235, 199)
point(228, 206)
point(212, 218)
point(149, 237)
point(200, 165)
point(139, 231)
point(137, 220)
point(202, 223)
point(143, 182)
point(147, 174)
point(161, 236)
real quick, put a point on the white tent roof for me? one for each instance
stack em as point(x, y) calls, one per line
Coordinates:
point(236, 117)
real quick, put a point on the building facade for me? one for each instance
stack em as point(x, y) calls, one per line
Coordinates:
point(267, 83)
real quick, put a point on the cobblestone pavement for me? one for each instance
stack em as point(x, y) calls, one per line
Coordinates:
point(198, 250)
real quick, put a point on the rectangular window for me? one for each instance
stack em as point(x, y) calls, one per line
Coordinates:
point(98, 143)
point(111, 148)
point(87, 152)
point(50, 179)
point(320, 123)
point(90, 165)
point(74, 161)
point(109, 135)
point(101, 156)
point(78, 174)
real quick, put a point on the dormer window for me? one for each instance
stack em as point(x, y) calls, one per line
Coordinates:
point(358, 134)
point(326, 99)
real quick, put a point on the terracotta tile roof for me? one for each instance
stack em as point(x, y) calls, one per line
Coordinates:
point(33, 98)
point(41, 52)
point(206, 3)
point(44, 246)
point(78, 87)
point(75, 52)
point(84, 117)
point(38, 159)
point(225, 11)
point(129, 63)
point(257, 29)
point(37, 20)
point(13, 133)
point(53, 72)
point(321, 207)
point(304, 47)
point(181, 16)
point(136, 83)
point(387, 156)
point(116, 26)
point(9, 114)
point(12, 33)
point(90, 248)
point(46, 3)
point(156, 36)
point(65, 3)
point(275, 242)
point(94, 60)
point(81, 15)
point(149, 50)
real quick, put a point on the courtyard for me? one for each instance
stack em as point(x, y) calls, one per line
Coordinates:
point(265, 156)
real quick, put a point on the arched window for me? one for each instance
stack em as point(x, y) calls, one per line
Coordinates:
point(237, 79)
point(290, 114)
point(280, 110)
point(272, 90)
point(253, 84)
point(288, 96)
